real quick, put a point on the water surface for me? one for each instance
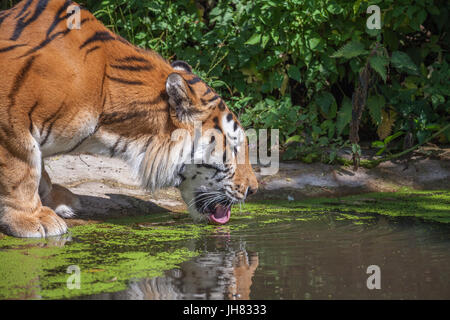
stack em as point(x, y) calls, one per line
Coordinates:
point(319, 259)
point(311, 249)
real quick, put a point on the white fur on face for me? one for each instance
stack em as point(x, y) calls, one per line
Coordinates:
point(212, 177)
point(160, 164)
point(233, 131)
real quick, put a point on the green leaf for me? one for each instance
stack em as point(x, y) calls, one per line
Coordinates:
point(375, 105)
point(418, 20)
point(323, 141)
point(433, 126)
point(433, 10)
point(327, 104)
point(437, 99)
point(393, 137)
point(421, 136)
point(294, 73)
point(314, 43)
point(141, 35)
point(332, 156)
point(378, 144)
point(218, 84)
point(344, 115)
point(379, 63)
point(334, 8)
point(403, 63)
point(295, 138)
point(350, 50)
point(265, 40)
point(380, 152)
point(254, 39)
point(356, 149)
point(356, 6)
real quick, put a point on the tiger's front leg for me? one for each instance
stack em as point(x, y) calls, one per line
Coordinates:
point(21, 211)
point(65, 203)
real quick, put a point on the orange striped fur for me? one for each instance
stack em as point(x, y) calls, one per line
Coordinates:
point(90, 91)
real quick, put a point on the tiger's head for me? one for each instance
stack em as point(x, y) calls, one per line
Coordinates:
point(217, 173)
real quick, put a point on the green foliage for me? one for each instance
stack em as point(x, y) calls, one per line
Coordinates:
point(344, 115)
point(403, 63)
point(350, 50)
point(382, 145)
point(376, 103)
point(378, 64)
point(294, 65)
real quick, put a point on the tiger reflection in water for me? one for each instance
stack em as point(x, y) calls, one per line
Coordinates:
point(213, 275)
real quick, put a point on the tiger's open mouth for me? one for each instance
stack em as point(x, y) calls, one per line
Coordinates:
point(218, 211)
point(220, 214)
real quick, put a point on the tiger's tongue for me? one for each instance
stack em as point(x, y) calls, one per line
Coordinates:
point(221, 215)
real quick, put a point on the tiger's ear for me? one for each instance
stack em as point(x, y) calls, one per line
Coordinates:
point(179, 99)
point(182, 66)
point(177, 90)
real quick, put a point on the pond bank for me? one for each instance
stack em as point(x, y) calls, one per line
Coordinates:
point(107, 187)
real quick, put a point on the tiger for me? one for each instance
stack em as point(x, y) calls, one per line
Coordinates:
point(68, 90)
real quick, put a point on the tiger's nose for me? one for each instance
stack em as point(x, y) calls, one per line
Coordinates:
point(250, 191)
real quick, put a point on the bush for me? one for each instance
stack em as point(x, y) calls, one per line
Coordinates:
point(296, 64)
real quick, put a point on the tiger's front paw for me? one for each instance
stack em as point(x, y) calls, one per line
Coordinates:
point(39, 224)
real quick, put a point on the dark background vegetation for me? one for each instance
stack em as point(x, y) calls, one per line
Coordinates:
point(308, 67)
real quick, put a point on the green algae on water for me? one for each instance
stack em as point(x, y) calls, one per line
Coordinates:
point(427, 205)
point(107, 255)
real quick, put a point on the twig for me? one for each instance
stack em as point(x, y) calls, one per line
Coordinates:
point(369, 164)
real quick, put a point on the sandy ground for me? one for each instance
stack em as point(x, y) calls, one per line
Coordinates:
point(106, 186)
